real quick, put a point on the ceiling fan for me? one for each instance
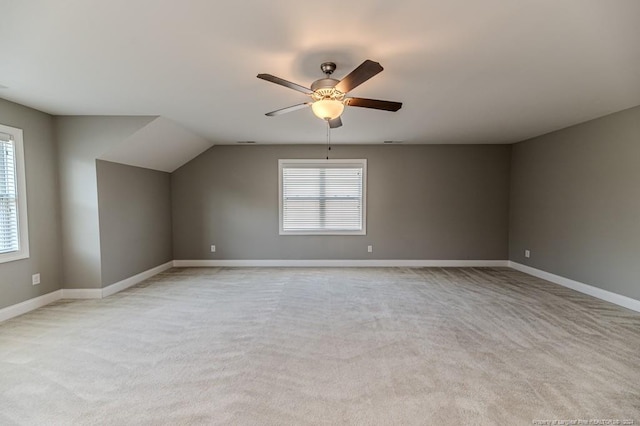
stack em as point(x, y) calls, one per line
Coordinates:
point(328, 95)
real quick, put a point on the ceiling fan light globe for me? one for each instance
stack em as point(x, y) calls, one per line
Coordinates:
point(327, 109)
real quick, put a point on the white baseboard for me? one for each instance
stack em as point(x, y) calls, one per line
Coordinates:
point(82, 293)
point(138, 278)
point(596, 292)
point(29, 305)
point(346, 263)
point(79, 293)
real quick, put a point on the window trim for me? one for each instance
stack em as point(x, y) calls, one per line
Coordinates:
point(339, 163)
point(21, 182)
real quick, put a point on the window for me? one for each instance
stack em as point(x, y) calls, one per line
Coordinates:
point(326, 197)
point(14, 240)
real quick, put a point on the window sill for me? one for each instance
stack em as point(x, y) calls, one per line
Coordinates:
point(16, 255)
point(328, 233)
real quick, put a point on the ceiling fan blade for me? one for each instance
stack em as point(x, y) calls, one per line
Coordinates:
point(364, 72)
point(336, 122)
point(285, 83)
point(373, 103)
point(288, 109)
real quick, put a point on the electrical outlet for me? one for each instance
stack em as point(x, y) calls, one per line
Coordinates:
point(527, 253)
point(213, 249)
point(370, 249)
point(35, 279)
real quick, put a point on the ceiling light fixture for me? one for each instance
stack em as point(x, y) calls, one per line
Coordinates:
point(327, 109)
point(328, 101)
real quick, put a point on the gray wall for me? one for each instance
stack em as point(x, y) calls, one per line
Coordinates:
point(134, 206)
point(424, 202)
point(575, 203)
point(81, 140)
point(42, 206)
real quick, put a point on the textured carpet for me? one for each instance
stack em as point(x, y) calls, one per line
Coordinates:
point(324, 346)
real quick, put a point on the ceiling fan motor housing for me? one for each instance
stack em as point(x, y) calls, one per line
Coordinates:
point(324, 83)
point(325, 89)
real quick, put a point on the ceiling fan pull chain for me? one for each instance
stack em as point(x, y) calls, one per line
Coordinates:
point(328, 139)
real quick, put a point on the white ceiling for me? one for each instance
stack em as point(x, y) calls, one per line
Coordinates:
point(467, 71)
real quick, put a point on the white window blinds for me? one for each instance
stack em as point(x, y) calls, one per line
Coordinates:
point(9, 235)
point(322, 196)
point(14, 230)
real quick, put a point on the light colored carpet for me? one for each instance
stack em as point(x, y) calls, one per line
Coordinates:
point(324, 346)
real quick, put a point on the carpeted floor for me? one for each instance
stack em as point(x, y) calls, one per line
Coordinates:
point(488, 346)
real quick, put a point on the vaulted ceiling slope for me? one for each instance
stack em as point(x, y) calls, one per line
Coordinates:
point(161, 145)
point(493, 71)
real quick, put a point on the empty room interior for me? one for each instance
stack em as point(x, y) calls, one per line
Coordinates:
point(365, 212)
